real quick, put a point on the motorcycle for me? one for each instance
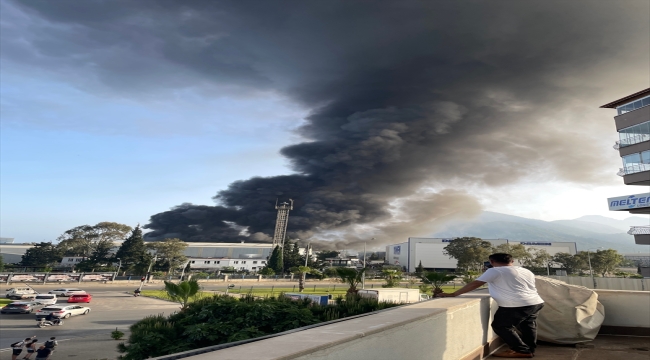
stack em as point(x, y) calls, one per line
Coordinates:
point(45, 323)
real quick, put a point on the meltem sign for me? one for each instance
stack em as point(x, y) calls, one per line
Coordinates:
point(629, 202)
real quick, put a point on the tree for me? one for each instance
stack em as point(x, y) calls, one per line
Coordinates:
point(392, 277)
point(352, 277)
point(182, 292)
point(2, 263)
point(171, 251)
point(323, 255)
point(133, 253)
point(419, 269)
point(518, 251)
point(605, 261)
point(570, 263)
point(436, 279)
point(291, 255)
point(301, 271)
point(470, 252)
point(275, 261)
point(83, 240)
point(536, 259)
point(266, 271)
point(42, 254)
point(470, 276)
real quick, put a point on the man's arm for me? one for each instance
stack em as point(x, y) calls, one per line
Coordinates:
point(469, 287)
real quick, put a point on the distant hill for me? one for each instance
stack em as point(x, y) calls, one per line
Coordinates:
point(586, 232)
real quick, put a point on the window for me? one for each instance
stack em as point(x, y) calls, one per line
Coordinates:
point(635, 163)
point(254, 262)
point(70, 260)
point(263, 262)
point(631, 106)
point(78, 260)
point(634, 134)
point(192, 261)
point(236, 262)
point(218, 262)
point(243, 262)
point(254, 268)
point(206, 262)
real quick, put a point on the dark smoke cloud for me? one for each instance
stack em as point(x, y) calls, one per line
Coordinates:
point(409, 99)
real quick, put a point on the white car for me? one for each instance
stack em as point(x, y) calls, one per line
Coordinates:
point(19, 293)
point(66, 292)
point(62, 312)
point(45, 299)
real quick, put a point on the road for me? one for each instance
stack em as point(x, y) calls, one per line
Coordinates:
point(110, 309)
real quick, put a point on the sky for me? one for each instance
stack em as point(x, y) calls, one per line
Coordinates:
point(192, 118)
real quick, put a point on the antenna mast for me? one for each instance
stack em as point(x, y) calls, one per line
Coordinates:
point(281, 222)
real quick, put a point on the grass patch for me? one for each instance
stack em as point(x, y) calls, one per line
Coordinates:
point(4, 302)
point(162, 295)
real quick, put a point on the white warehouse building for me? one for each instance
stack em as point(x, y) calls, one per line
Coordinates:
point(430, 251)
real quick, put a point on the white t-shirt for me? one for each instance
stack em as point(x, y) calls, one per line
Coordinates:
point(511, 286)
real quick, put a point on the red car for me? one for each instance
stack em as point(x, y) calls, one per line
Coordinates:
point(80, 298)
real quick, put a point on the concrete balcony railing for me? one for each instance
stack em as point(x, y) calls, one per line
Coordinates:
point(439, 329)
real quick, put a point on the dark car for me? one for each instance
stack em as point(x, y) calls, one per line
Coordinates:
point(18, 307)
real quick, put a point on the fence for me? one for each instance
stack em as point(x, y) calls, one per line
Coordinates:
point(607, 283)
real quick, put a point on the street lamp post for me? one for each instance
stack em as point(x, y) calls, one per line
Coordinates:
point(591, 271)
point(363, 275)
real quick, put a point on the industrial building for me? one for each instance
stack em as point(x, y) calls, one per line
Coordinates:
point(633, 127)
point(430, 251)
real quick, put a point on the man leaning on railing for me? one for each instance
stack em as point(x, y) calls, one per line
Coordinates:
point(513, 288)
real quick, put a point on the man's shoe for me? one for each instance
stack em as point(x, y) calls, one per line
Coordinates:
point(513, 354)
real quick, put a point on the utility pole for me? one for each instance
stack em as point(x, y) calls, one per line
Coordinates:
point(363, 275)
point(155, 258)
point(117, 273)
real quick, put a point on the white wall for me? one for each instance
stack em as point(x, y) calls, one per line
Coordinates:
point(217, 264)
point(607, 283)
point(625, 308)
point(397, 254)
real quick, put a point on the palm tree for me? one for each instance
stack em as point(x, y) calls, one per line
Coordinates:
point(301, 271)
point(351, 277)
point(182, 292)
point(436, 279)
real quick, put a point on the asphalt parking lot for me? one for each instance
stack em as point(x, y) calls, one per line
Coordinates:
point(110, 308)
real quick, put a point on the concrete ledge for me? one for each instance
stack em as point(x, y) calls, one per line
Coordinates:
point(448, 328)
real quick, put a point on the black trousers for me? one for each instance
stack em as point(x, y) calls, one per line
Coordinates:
point(507, 320)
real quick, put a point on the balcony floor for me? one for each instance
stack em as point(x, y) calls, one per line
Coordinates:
point(604, 347)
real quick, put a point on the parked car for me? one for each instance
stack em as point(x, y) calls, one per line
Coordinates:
point(20, 293)
point(19, 307)
point(66, 292)
point(80, 298)
point(45, 299)
point(63, 312)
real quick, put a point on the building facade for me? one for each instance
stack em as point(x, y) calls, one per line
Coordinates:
point(633, 126)
point(430, 252)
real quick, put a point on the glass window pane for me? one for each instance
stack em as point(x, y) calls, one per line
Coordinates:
point(632, 159)
point(645, 157)
point(646, 101)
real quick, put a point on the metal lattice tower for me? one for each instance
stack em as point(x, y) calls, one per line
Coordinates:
point(281, 222)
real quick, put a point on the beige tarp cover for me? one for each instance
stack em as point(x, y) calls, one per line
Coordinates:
point(571, 313)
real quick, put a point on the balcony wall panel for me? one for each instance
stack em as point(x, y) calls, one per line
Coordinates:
point(636, 148)
point(632, 118)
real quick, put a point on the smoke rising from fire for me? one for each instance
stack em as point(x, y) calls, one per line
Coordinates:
point(413, 104)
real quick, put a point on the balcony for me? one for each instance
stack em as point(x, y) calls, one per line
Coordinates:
point(641, 234)
point(447, 329)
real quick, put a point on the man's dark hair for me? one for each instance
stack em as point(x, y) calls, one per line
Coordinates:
point(501, 258)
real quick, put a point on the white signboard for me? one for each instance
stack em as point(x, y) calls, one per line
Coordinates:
point(629, 202)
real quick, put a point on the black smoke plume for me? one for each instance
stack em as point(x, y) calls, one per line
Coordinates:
point(411, 101)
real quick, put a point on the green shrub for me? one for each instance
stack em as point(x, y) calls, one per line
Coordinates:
point(117, 335)
point(221, 319)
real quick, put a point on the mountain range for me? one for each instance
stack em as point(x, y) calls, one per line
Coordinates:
point(588, 232)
